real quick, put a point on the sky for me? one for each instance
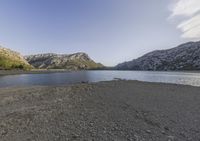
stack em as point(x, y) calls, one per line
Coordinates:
point(109, 31)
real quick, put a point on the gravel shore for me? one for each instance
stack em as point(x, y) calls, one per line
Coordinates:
point(104, 111)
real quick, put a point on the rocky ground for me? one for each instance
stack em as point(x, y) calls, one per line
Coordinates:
point(116, 110)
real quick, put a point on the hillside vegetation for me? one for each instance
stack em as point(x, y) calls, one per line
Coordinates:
point(12, 60)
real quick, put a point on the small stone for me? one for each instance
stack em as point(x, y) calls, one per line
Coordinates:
point(163, 132)
point(4, 132)
point(148, 131)
point(136, 138)
point(75, 136)
point(170, 138)
point(91, 124)
point(166, 128)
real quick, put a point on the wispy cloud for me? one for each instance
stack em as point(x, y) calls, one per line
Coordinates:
point(189, 9)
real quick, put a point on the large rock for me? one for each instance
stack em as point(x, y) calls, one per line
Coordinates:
point(12, 60)
point(183, 57)
point(77, 61)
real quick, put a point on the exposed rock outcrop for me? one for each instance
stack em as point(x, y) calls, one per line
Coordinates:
point(183, 57)
point(77, 61)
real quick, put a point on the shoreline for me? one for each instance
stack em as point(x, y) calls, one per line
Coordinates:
point(16, 72)
point(44, 71)
point(114, 110)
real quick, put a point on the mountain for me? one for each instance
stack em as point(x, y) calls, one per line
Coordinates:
point(183, 57)
point(77, 61)
point(12, 60)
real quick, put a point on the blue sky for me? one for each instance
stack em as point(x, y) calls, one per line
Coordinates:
point(110, 31)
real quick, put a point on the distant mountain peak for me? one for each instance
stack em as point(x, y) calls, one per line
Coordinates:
point(183, 57)
point(75, 61)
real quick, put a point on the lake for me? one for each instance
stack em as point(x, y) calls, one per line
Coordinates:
point(186, 78)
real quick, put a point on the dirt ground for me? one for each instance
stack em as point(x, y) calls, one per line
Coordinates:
point(104, 111)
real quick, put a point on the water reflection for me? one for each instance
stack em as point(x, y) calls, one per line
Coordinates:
point(95, 76)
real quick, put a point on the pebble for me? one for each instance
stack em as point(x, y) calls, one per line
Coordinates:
point(170, 138)
point(163, 132)
point(148, 131)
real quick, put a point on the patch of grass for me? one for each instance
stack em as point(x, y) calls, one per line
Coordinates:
point(8, 62)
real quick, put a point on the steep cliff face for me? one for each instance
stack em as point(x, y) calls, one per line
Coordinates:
point(77, 61)
point(12, 60)
point(183, 57)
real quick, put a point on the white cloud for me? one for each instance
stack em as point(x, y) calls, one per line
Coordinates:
point(191, 10)
point(191, 27)
point(186, 7)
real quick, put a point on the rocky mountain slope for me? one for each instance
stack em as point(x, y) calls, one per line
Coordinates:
point(77, 61)
point(183, 57)
point(12, 60)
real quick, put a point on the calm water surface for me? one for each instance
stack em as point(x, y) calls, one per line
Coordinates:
point(186, 78)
